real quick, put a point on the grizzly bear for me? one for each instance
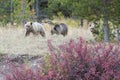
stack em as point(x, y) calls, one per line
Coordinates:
point(60, 29)
point(35, 28)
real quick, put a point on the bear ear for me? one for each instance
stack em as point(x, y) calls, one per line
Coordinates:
point(30, 23)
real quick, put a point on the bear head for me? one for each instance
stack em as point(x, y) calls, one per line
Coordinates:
point(28, 26)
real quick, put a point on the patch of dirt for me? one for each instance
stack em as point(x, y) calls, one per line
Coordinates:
point(20, 59)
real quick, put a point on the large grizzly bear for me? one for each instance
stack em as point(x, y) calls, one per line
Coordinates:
point(35, 28)
point(60, 29)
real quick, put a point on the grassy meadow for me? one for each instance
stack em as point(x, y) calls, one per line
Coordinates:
point(13, 40)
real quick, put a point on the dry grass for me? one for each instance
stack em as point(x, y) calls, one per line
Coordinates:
point(13, 41)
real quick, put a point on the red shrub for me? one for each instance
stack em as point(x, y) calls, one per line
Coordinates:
point(81, 61)
point(14, 71)
point(75, 60)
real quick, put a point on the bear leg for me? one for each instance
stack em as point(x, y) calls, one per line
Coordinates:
point(27, 33)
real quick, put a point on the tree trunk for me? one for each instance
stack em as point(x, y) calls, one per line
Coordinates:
point(23, 12)
point(106, 26)
point(11, 9)
point(37, 10)
point(106, 30)
point(81, 22)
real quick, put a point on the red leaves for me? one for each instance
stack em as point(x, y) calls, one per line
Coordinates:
point(75, 60)
point(87, 61)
